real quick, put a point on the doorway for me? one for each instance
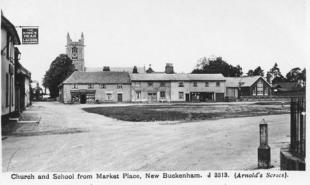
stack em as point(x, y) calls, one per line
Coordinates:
point(119, 97)
point(83, 98)
point(187, 97)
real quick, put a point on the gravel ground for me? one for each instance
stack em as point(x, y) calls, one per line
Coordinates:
point(70, 139)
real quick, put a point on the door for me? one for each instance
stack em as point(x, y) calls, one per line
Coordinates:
point(152, 97)
point(119, 97)
point(219, 96)
point(187, 97)
point(83, 98)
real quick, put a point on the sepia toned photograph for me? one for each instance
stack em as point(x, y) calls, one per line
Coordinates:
point(149, 85)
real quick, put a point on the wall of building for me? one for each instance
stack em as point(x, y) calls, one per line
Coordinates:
point(7, 105)
point(27, 92)
point(145, 89)
point(101, 94)
point(189, 87)
point(232, 92)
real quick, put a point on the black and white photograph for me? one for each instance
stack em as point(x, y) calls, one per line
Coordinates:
point(146, 91)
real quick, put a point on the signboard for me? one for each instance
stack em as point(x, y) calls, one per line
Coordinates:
point(30, 35)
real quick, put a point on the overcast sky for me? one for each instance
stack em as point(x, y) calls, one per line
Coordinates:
point(142, 32)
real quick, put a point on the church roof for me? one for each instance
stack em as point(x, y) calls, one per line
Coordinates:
point(106, 77)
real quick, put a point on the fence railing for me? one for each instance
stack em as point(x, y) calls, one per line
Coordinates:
point(298, 127)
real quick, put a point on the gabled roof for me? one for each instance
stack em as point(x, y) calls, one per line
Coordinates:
point(176, 77)
point(244, 81)
point(98, 77)
point(9, 27)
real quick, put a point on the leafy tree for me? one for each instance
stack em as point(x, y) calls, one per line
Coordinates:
point(59, 70)
point(217, 65)
point(250, 72)
point(106, 68)
point(135, 69)
point(274, 75)
point(258, 71)
point(293, 75)
point(149, 70)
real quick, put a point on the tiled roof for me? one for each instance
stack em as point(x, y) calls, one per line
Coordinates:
point(245, 81)
point(176, 77)
point(98, 77)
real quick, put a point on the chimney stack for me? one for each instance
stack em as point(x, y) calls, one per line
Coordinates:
point(169, 68)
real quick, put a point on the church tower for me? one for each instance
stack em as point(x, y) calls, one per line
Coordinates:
point(75, 51)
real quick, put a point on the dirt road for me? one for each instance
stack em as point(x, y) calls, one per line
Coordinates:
point(70, 139)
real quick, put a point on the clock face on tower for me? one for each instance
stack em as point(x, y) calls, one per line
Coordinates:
point(74, 53)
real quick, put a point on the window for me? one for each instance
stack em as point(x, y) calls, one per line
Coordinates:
point(181, 95)
point(162, 84)
point(181, 84)
point(109, 96)
point(195, 84)
point(90, 86)
point(138, 94)
point(260, 88)
point(162, 94)
point(75, 86)
point(119, 86)
point(138, 84)
point(206, 84)
point(8, 49)
point(218, 84)
point(102, 86)
point(7, 90)
point(11, 91)
point(74, 50)
point(150, 83)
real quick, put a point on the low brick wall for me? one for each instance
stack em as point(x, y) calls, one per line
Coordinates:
point(290, 162)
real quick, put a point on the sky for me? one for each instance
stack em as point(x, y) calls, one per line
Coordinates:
point(121, 33)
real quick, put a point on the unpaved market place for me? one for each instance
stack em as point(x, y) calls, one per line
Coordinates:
point(70, 139)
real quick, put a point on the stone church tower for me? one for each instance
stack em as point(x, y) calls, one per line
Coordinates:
point(75, 51)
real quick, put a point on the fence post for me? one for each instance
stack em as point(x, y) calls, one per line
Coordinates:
point(263, 149)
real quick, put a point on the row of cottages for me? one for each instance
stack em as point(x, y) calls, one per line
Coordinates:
point(91, 87)
point(177, 87)
point(15, 79)
point(104, 86)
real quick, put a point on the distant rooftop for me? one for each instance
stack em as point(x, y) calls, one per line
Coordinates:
point(98, 77)
point(116, 69)
point(176, 77)
point(244, 81)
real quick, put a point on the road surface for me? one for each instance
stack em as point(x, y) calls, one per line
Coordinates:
point(70, 139)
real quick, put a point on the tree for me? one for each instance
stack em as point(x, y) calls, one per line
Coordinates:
point(250, 72)
point(258, 71)
point(59, 70)
point(135, 69)
point(149, 70)
point(106, 68)
point(274, 75)
point(217, 65)
point(294, 75)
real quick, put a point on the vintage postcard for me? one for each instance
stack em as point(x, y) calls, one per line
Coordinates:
point(153, 92)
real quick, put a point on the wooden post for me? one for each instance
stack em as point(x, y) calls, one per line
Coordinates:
point(263, 149)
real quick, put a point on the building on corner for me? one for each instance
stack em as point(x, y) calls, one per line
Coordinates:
point(95, 87)
point(9, 39)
